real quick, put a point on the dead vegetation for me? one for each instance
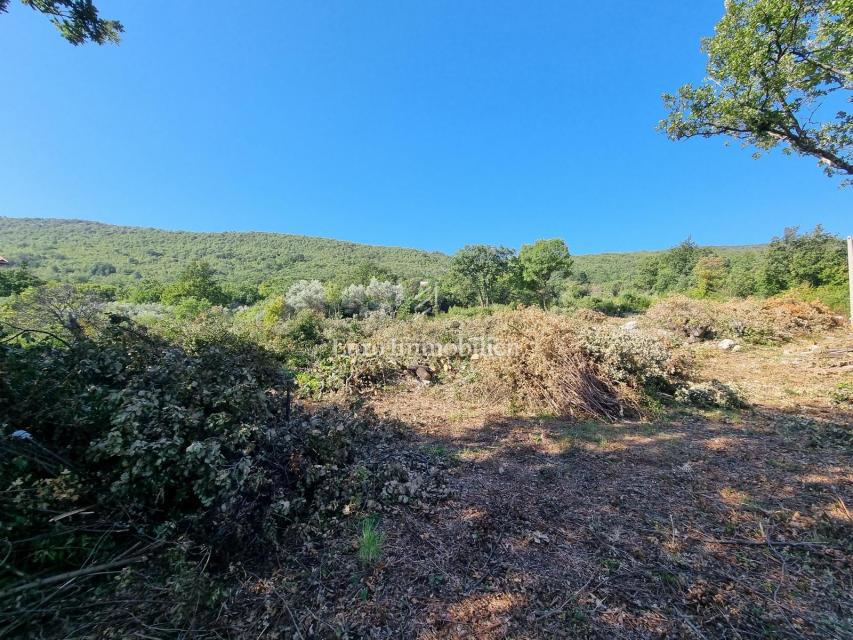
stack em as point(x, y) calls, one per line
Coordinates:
point(572, 369)
point(771, 321)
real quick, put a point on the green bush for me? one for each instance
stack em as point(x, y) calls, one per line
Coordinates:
point(627, 303)
point(14, 281)
point(162, 431)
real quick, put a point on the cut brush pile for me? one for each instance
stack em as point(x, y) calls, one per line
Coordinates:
point(771, 321)
point(560, 366)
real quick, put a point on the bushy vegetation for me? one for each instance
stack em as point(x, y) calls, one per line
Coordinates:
point(812, 261)
point(123, 443)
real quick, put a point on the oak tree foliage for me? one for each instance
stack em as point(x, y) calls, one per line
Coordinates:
point(779, 73)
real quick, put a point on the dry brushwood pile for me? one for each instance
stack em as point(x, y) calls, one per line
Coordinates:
point(387, 354)
point(573, 369)
point(535, 360)
point(771, 321)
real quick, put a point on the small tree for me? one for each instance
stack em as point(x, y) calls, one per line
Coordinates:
point(102, 269)
point(384, 296)
point(354, 299)
point(197, 281)
point(710, 273)
point(481, 267)
point(13, 281)
point(367, 271)
point(771, 65)
point(542, 265)
point(816, 258)
point(671, 270)
point(745, 273)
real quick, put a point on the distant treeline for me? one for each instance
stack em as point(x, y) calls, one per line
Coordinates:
point(154, 266)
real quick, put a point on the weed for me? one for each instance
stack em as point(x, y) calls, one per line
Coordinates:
point(370, 541)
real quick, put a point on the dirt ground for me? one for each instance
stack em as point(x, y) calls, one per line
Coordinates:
point(697, 524)
point(701, 525)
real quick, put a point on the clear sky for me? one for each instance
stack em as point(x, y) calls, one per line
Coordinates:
point(429, 124)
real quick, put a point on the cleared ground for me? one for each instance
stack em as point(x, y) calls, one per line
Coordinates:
point(695, 525)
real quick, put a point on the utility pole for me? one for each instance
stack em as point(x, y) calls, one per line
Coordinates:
point(850, 273)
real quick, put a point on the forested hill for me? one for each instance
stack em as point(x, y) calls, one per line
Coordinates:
point(81, 250)
point(607, 268)
point(78, 250)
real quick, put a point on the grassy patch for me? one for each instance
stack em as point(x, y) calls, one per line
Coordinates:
point(588, 432)
point(370, 541)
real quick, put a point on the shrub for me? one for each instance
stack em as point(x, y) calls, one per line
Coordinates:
point(384, 296)
point(354, 299)
point(160, 429)
point(13, 281)
point(197, 281)
point(628, 302)
point(116, 441)
point(634, 358)
point(306, 294)
point(189, 307)
point(146, 291)
point(102, 269)
point(707, 395)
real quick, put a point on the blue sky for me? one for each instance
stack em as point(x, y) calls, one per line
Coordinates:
point(429, 124)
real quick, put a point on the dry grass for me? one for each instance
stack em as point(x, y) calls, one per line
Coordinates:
point(802, 376)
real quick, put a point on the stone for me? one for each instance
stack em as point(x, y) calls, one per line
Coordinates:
point(727, 344)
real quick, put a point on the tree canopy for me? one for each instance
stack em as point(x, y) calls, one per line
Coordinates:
point(76, 20)
point(778, 73)
point(540, 262)
point(816, 258)
point(673, 269)
point(481, 267)
point(197, 281)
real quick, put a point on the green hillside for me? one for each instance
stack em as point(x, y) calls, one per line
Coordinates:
point(605, 268)
point(73, 250)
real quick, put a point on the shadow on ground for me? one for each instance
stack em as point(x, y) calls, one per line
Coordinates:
point(729, 526)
